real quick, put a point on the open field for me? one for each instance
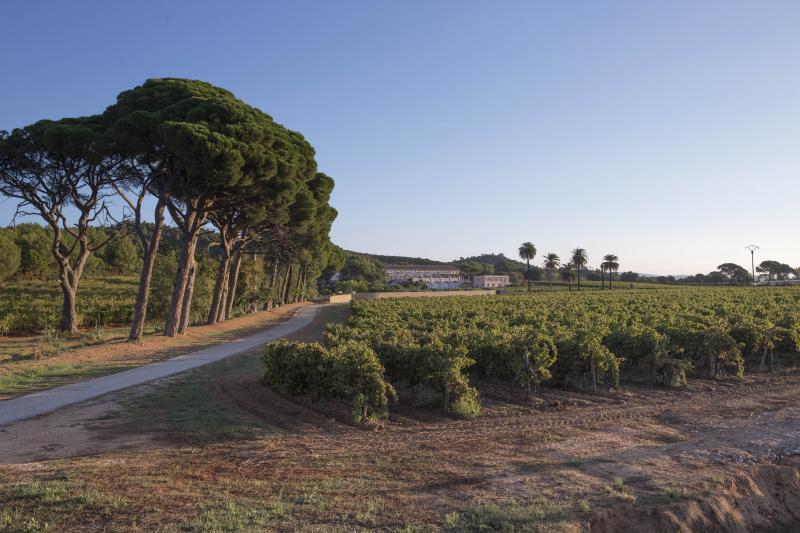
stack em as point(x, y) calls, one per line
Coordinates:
point(214, 450)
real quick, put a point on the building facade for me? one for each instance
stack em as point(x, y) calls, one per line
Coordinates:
point(433, 276)
point(490, 281)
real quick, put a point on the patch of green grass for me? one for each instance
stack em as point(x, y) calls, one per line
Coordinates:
point(36, 378)
point(238, 516)
point(189, 409)
point(618, 490)
point(47, 505)
point(671, 493)
point(512, 516)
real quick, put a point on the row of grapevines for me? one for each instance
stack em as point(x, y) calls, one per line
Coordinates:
point(575, 339)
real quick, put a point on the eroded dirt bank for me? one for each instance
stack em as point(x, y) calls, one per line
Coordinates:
point(762, 498)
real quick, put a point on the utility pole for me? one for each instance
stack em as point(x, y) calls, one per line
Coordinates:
point(752, 249)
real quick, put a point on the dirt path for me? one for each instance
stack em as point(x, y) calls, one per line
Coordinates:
point(52, 399)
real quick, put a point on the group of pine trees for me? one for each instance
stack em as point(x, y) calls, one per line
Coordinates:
point(186, 151)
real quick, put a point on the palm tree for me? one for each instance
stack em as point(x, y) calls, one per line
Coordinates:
point(610, 263)
point(551, 264)
point(579, 259)
point(568, 275)
point(527, 251)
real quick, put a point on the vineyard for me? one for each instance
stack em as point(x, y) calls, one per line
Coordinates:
point(432, 353)
point(35, 305)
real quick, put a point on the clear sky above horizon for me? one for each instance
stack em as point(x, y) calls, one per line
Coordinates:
point(665, 132)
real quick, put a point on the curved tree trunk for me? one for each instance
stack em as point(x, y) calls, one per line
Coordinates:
point(176, 304)
point(304, 286)
point(186, 307)
point(297, 285)
point(219, 300)
point(287, 285)
point(70, 276)
point(237, 265)
point(272, 281)
point(180, 306)
point(69, 312)
point(146, 277)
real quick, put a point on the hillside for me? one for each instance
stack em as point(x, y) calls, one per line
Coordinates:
point(504, 263)
point(397, 259)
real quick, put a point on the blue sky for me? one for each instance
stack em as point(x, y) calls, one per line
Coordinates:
point(665, 132)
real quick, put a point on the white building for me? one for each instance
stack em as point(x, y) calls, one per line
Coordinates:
point(490, 281)
point(433, 276)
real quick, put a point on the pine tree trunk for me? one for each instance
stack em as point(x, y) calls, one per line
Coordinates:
point(176, 305)
point(186, 307)
point(219, 299)
point(287, 285)
point(237, 265)
point(272, 281)
point(70, 276)
point(296, 297)
point(305, 285)
point(69, 312)
point(146, 277)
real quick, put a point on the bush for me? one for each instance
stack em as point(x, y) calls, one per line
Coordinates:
point(10, 257)
point(349, 371)
point(35, 245)
point(122, 255)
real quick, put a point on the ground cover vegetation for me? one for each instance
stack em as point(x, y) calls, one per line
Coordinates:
point(438, 349)
point(241, 191)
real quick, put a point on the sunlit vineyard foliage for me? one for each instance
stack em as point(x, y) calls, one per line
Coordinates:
point(34, 305)
point(587, 340)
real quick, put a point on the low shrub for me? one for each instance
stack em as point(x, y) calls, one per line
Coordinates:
point(349, 371)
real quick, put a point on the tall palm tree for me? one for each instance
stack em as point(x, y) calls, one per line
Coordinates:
point(527, 251)
point(568, 275)
point(610, 263)
point(579, 259)
point(551, 264)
